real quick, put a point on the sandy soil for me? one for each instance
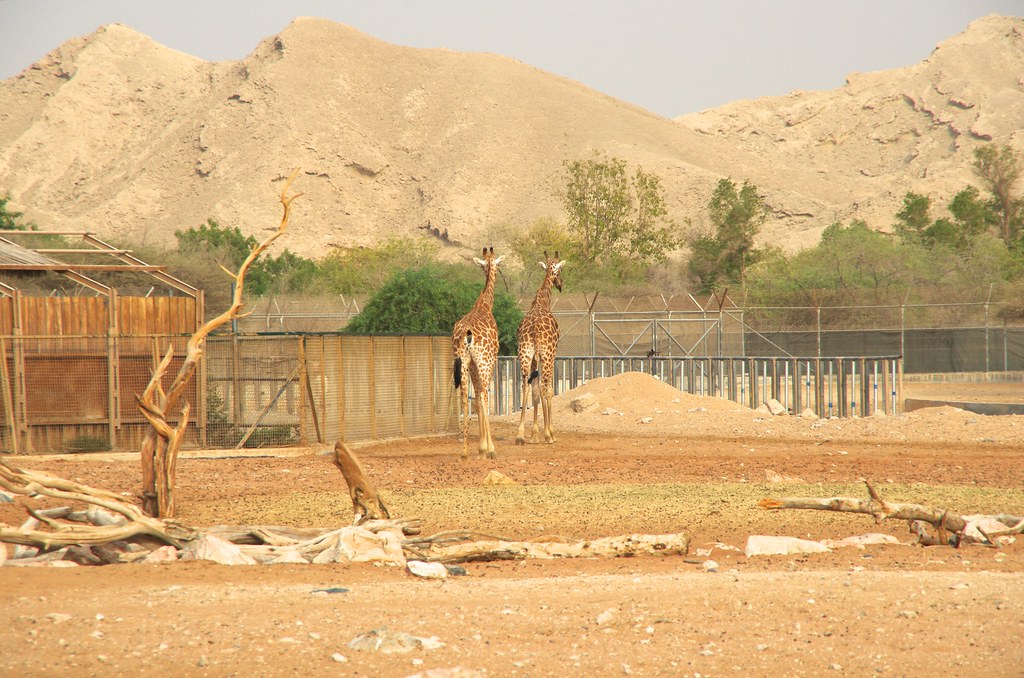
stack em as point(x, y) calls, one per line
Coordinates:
point(697, 466)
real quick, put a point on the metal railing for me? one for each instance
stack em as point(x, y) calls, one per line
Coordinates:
point(829, 386)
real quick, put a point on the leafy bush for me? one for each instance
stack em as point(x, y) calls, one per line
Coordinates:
point(430, 300)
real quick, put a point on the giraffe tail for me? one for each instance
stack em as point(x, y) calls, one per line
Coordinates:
point(457, 372)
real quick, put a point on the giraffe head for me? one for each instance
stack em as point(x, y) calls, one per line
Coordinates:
point(489, 260)
point(553, 266)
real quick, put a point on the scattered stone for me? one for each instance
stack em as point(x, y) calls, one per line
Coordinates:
point(608, 411)
point(606, 616)
point(498, 478)
point(58, 617)
point(427, 570)
point(164, 554)
point(808, 414)
point(646, 420)
point(583, 402)
point(386, 642)
point(338, 657)
point(710, 566)
point(6, 498)
point(775, 477)
point(330, 589)
point(776, 408)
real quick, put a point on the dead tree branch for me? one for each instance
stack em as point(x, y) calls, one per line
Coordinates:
point(162, 440)
point(366, 503)
point(132, 521)
point(943, 521)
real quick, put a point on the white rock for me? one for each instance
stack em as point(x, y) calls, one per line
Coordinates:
point(860, 541)
point(164, 554)
point(427, 570)
point(583, 402)
point(761, 545)
point(218, 550)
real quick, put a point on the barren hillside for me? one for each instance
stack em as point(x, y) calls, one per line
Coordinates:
point(116, 134)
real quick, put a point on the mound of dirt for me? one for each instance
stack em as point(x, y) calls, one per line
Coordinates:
point(635, 401)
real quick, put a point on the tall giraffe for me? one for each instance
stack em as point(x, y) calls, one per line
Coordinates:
point(475, 345)
point(538, 343)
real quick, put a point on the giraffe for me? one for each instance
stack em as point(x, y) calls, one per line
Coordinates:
point(475, 345)
point(538, 343)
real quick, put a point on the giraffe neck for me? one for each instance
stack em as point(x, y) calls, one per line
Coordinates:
point(543, 298)
point(485, 302)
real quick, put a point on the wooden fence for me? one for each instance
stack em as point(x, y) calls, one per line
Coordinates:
point(77, 393)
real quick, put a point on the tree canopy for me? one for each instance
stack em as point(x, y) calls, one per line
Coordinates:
point(430, 300)
point(617, 220)
point(722, 257)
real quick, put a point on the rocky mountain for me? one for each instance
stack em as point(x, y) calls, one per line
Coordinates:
point(116, 134)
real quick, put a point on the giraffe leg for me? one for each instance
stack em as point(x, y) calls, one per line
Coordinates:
point(548, 392)
point(549, 429)
point(464, 408)
point(486, 441)
point(537, 404)
point(464, 411)
point(525, 364)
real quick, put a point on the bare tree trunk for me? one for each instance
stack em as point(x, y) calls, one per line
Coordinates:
point(161, 443)
point(366, 503)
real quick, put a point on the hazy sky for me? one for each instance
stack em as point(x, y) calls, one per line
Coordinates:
point(669, 56)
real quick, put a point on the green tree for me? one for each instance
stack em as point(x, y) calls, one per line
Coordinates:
point(736, 217)
point(212, 245)
point(616, 220)
point(11, 220)
point(914, 217)
point(360, 270)
point(999, 169)
point(430, 300)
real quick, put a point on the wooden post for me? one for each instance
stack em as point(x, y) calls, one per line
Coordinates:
point(303, 390)
point(20, 387)
point(341, 386)
point(401, 388)
point(372, 384)
point(430, 364)
point(5, 385)
point(113, 370)
point(309, 395)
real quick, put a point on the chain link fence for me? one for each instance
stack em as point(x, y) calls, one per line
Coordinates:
point(77, 393)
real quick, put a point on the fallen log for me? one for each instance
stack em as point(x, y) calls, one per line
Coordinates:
point(133, 524)
point(943, 521)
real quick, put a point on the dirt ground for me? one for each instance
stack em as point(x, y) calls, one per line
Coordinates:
point(640, 460)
